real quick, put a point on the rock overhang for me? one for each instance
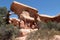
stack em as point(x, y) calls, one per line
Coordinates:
point(17, 6)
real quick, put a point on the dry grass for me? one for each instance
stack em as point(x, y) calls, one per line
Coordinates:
point(42, 34)
point(46, 31)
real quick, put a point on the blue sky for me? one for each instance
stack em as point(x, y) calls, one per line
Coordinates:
point(49, 7)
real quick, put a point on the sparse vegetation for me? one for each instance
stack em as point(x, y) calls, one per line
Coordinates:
point(7, 31)
point(46, 31)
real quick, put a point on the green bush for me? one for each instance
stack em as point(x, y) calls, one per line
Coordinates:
point(7, 31)
point(46, 31)
point(42, 34)
point(42, 25)
point(49, 25)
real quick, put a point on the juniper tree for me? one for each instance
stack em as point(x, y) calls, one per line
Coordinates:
point(6, 30)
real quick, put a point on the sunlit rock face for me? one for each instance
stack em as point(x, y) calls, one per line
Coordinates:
point(28, 20)
point(46, 18)
point(14, 21)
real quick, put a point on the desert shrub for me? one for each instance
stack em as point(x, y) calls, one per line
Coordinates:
point(49, 25)
point(7, 31)
point(42, 34)
point(53, 25)
point(41, 25)
point(58, 27)
point(46, 31)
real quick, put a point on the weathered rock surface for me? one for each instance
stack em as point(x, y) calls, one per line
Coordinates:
point(26, 14)
point(14, 21)
point(24, 33)
point(18, 8)
point(47, 18)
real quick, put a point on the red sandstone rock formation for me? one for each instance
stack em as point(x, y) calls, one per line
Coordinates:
point(18, 8)
point(56, 18)
point(29, 16)
point(14, 21)
point(46, 18)
point(24, 25)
